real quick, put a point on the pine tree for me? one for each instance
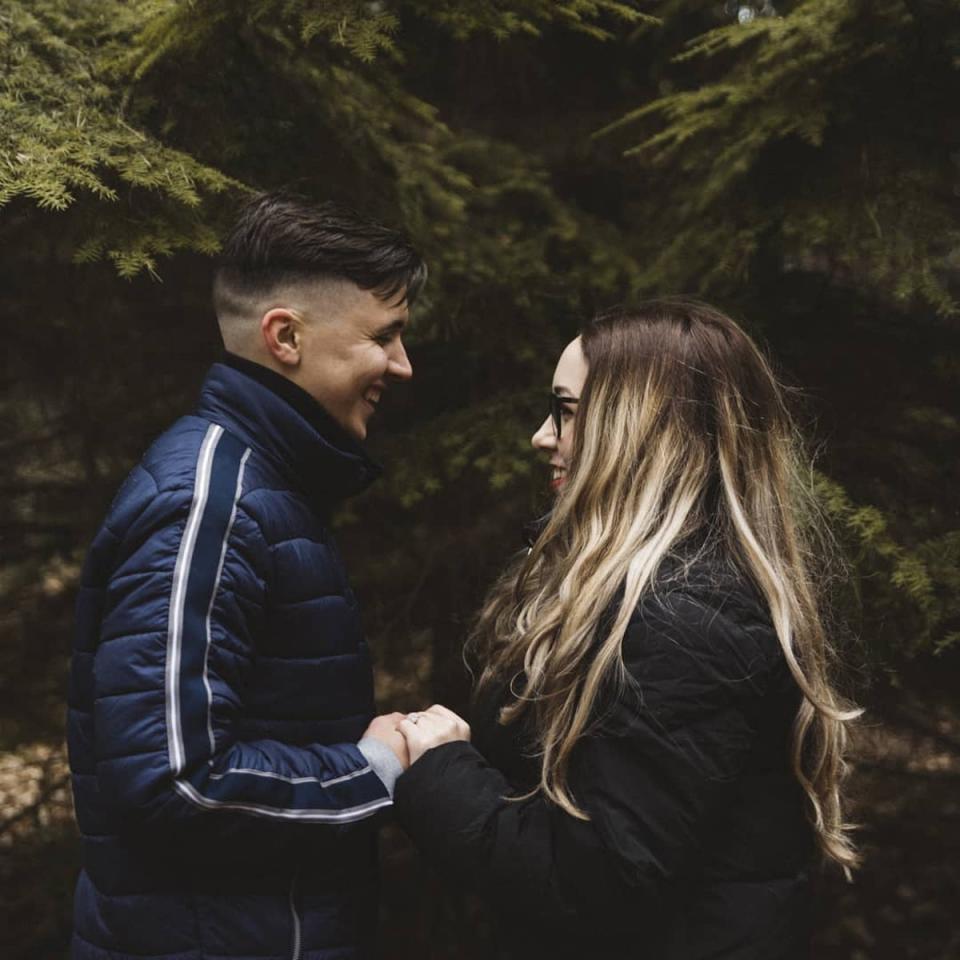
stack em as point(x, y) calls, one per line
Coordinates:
point(825, 137)
point(66, 139)
point(822, 145)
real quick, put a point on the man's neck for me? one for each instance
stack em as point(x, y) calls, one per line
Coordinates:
point(295, 396)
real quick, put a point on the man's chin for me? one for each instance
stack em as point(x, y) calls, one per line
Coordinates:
point(355, 431)
point(357, 428)
point(353, 428)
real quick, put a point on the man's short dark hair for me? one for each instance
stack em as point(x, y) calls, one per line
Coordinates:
point(282, 238)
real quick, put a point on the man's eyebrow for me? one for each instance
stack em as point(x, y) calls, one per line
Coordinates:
point(395, 326)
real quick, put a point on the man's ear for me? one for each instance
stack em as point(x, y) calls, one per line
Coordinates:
point(282, 331)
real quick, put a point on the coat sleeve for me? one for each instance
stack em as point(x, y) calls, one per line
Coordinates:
point(183, 606)
point(650, 778)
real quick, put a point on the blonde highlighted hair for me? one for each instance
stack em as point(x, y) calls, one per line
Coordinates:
point(682, 436)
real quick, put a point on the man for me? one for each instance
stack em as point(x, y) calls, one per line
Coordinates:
point(227, 769)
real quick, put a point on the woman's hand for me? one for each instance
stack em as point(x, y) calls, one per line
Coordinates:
point(429, 728)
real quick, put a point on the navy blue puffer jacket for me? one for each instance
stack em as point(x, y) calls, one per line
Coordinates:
point(219, 686)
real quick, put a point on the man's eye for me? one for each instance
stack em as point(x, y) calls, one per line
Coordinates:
point(383, 339)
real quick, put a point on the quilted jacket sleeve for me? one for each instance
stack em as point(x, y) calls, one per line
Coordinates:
point(649, 777)
point(174, 656)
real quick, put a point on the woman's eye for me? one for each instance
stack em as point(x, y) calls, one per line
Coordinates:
point(566, 413)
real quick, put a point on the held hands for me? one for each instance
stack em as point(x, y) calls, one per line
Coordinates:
point(411, 735)
point(425, 730)
point(384, 729)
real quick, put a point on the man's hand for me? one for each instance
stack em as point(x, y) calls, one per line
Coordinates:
point(426, 730)
point(384, 729)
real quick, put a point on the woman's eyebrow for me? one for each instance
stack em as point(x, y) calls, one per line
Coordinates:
point(563, 392)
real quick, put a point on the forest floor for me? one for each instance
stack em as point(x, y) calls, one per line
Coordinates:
point(904, 904)
point(905, 901)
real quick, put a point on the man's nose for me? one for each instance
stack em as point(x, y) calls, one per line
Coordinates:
point(546, 437)
point(399, 366)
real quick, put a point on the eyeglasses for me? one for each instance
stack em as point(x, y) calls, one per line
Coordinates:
point(557, 405)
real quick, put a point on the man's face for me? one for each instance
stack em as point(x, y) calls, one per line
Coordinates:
point(351, 352)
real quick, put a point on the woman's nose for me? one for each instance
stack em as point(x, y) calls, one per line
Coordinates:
point(545, 438)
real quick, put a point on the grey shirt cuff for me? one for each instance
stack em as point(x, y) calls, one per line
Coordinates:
point(383, 761)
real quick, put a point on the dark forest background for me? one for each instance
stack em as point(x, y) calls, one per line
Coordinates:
point(797, 165)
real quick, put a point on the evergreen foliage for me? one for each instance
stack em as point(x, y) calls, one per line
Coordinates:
point(822, 138)
point(64, 134)
point(529, 16)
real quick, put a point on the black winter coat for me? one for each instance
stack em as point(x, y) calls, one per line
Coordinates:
point(697, 845)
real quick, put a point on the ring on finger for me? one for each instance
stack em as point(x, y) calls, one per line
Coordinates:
point(413, 717)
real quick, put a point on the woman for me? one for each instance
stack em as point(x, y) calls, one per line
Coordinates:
point(658, 750)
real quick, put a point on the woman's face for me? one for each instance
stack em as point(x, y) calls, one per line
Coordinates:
point(568, 381)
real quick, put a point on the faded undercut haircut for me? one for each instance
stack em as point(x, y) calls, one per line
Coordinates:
point(282, 239)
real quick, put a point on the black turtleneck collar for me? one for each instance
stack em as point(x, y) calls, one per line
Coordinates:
point(274, 415)
point(298, 398)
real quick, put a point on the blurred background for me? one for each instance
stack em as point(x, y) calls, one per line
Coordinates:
point(798, 164)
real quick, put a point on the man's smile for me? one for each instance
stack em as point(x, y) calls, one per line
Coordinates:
point(373, 396)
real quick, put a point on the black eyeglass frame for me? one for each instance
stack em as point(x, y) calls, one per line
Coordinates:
point(557, 403)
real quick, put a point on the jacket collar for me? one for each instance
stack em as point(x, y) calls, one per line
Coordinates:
point(285, 424)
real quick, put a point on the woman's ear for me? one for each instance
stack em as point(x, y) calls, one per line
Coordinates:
point(281, 329)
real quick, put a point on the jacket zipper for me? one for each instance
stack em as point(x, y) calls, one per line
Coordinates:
point(295, 952)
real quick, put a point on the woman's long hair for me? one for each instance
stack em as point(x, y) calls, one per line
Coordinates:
point(683, 436)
